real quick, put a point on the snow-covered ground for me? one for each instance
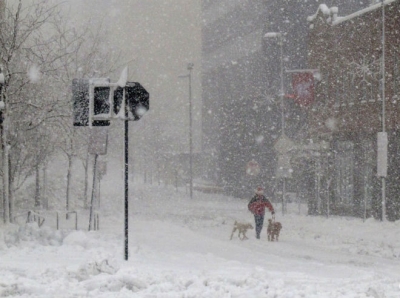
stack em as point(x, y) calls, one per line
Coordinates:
point(181, 248)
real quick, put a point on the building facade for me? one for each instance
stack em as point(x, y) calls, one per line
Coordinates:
point(349, 110)
point(241, 85)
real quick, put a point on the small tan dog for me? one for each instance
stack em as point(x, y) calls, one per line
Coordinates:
point(242, 229)
point(273, 230)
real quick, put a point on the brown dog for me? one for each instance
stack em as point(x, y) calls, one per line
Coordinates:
point(242, 229)
point(273, 230)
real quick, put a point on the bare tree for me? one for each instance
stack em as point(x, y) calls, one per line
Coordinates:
point(86, 56)
point(40, 54)
point(18, 27)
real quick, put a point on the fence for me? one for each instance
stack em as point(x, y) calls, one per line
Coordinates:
point(31, 216)
point(67, 216)
point(96, 221)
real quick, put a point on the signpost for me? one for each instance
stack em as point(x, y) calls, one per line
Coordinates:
point(97, 146)
point(284, 145)
point(126, 100)
point(284, 170)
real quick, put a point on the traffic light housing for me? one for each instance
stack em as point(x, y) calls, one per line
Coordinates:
point(137, 99)
point(101, 105)
point(93, 100)
point(81, 103)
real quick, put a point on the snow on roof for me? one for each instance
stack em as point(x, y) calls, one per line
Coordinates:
point(324, 9)
point(331, 13)
point(361, 12)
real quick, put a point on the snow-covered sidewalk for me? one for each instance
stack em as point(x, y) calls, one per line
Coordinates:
point(180, 248)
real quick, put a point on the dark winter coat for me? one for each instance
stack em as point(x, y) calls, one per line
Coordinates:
point(257, 205)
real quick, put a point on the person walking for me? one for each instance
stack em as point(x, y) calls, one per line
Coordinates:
point(257, 206)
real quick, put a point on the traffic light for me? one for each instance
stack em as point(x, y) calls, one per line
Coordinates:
point(118, 96)
point(98, 92)
point(80, 98)
point(137, 99)
point(81, 102)
point(101, 105)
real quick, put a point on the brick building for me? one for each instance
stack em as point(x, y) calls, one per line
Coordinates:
point(348, 108)
point(240, 82)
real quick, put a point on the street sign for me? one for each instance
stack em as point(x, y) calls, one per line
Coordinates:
point(123, 79)
point(101, 168)
point(252, 168)
point(283, 145)
point(98, 140)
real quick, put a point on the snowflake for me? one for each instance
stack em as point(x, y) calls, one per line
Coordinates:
point(366, 68)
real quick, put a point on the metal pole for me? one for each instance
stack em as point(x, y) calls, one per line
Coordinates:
point(189, 76)
point(126, 176)
point(93, 192)
point(282, 92)
point(318, 169)
point(383, 107)
point(283, 195)
point(190, 67)
point(98, 195)
point(283, 118)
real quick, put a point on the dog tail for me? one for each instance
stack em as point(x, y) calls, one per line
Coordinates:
point(235, 222)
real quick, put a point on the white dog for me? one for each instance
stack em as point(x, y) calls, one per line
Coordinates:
point(242, 229)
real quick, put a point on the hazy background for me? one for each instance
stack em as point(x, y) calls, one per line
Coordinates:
point(157, 38)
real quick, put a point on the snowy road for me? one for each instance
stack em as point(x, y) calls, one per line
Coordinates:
point(181, 248)
point(333, 266)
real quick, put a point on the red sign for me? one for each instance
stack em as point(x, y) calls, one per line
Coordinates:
point(252, 168)
point(303, 86)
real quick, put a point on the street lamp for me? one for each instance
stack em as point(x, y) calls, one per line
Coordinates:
point(189, 76)
point(382, 137)
point(279, 36)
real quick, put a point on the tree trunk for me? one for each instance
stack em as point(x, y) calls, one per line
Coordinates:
point(37, 187)
point(68, 183)
point(85, 191)
point(11, 206)
point(44, 195)
point(6, 180)
point(10, 190)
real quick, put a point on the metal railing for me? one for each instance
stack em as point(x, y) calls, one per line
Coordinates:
point(35, 217)
point(31, 216)
point(96, 221)
point(67, 217)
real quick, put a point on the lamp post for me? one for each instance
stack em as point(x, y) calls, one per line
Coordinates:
point(384, 134)
point(279, 36)
point(282, 94)
point(189, 76)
